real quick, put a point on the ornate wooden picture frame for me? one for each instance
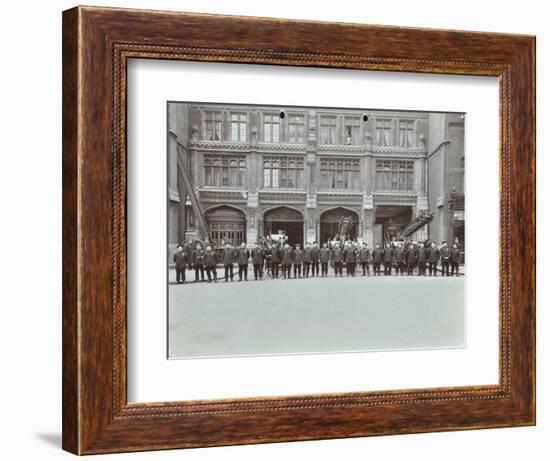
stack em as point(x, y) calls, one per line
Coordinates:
point(97, 44)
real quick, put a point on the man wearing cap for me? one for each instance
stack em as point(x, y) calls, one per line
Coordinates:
point(364, 256)
point(307, 259)
point(210, 264)
point(324, 258)
point(258, 262)
point(286, 262)
point(377, 255)
point(315, 259)
point(242, 260)
point(388, 259)
point(445, 254)
point(455, 259)
point(433, 257)
point(298, 258)
point(181, 260)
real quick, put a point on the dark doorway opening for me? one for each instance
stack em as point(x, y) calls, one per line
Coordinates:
point(392, 219)
point(226, 225)
point(285, 221)
point(330, 221)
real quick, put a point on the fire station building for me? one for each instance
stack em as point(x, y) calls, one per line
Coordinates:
point(240, 172)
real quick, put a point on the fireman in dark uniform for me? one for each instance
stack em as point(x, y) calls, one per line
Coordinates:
point(315, 259)
point(228, 258)
point(324, 257)
point(286, 262)
point(275, 260)
point(364, 256)
point(307, 259)
point(298, 258)
point(198, 262)
point(411, 258)
point(455, 259)
point(388, 259)
point(422, 258)
point(433, 257)
point(349, 259)
point(377, 255)
point(258, 262)
point(337, 259)
point(181, 260)
point(210, 264)
point(399, 259)
point(445, 255)
point(242, 260)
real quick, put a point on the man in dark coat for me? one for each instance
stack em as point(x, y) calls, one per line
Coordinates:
point(286, 262)
point(399, 259)
point(364, 256)
point(228, 258)
point(337, 259)
point(210, 264)
point(433, 257)
point(315, 259)
point(455, 259)
point(411, 258)
point(198, 262)
point(307, 259)
point(275, 260)
point(388, 259)
point(377, 255)
point(445, 255)
point(181, 260)
point(324, 258)
point(422, 258)
point(298, 258)
point(349, 259)
point(242, 260)
point(258, 262)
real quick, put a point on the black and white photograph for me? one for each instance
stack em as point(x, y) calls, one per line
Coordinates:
point(305, 230)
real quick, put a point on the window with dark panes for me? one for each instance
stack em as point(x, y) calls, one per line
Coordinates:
point(283, 172)
point(340, 173)
point(328, 129)
point(224, 171)
point(352, 130)
point(238, 127)
point(383, 131)
point(213, 125)
point(394, 175)
point(296, 129)
point(271, 127)
point(406, 133)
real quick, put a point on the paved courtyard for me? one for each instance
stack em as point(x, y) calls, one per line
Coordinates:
point(315, 315)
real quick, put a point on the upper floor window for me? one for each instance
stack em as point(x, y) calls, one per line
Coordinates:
point(284, 172)
point(238, 127)
point(352, 130)
point(296, 129)
point(328, 129)
point(394, 175)
point(213, 125)
point(383, 131)
point(224, 171)
point(406, 133)
point(271, 127)
point(340, 174)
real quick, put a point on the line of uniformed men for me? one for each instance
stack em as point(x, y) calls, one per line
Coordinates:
point(283, 260)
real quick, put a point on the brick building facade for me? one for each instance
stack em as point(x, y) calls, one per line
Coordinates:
point(255, 170)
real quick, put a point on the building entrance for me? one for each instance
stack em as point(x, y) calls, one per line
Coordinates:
point(330, 221)
point(285, 221)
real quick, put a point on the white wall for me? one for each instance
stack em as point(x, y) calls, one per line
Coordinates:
point(30, 233)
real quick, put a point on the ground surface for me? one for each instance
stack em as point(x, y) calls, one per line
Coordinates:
point(315, 315)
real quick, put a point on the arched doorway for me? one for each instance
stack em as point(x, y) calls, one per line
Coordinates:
point(285, 221)
point(226, 225)
point(330, 221)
